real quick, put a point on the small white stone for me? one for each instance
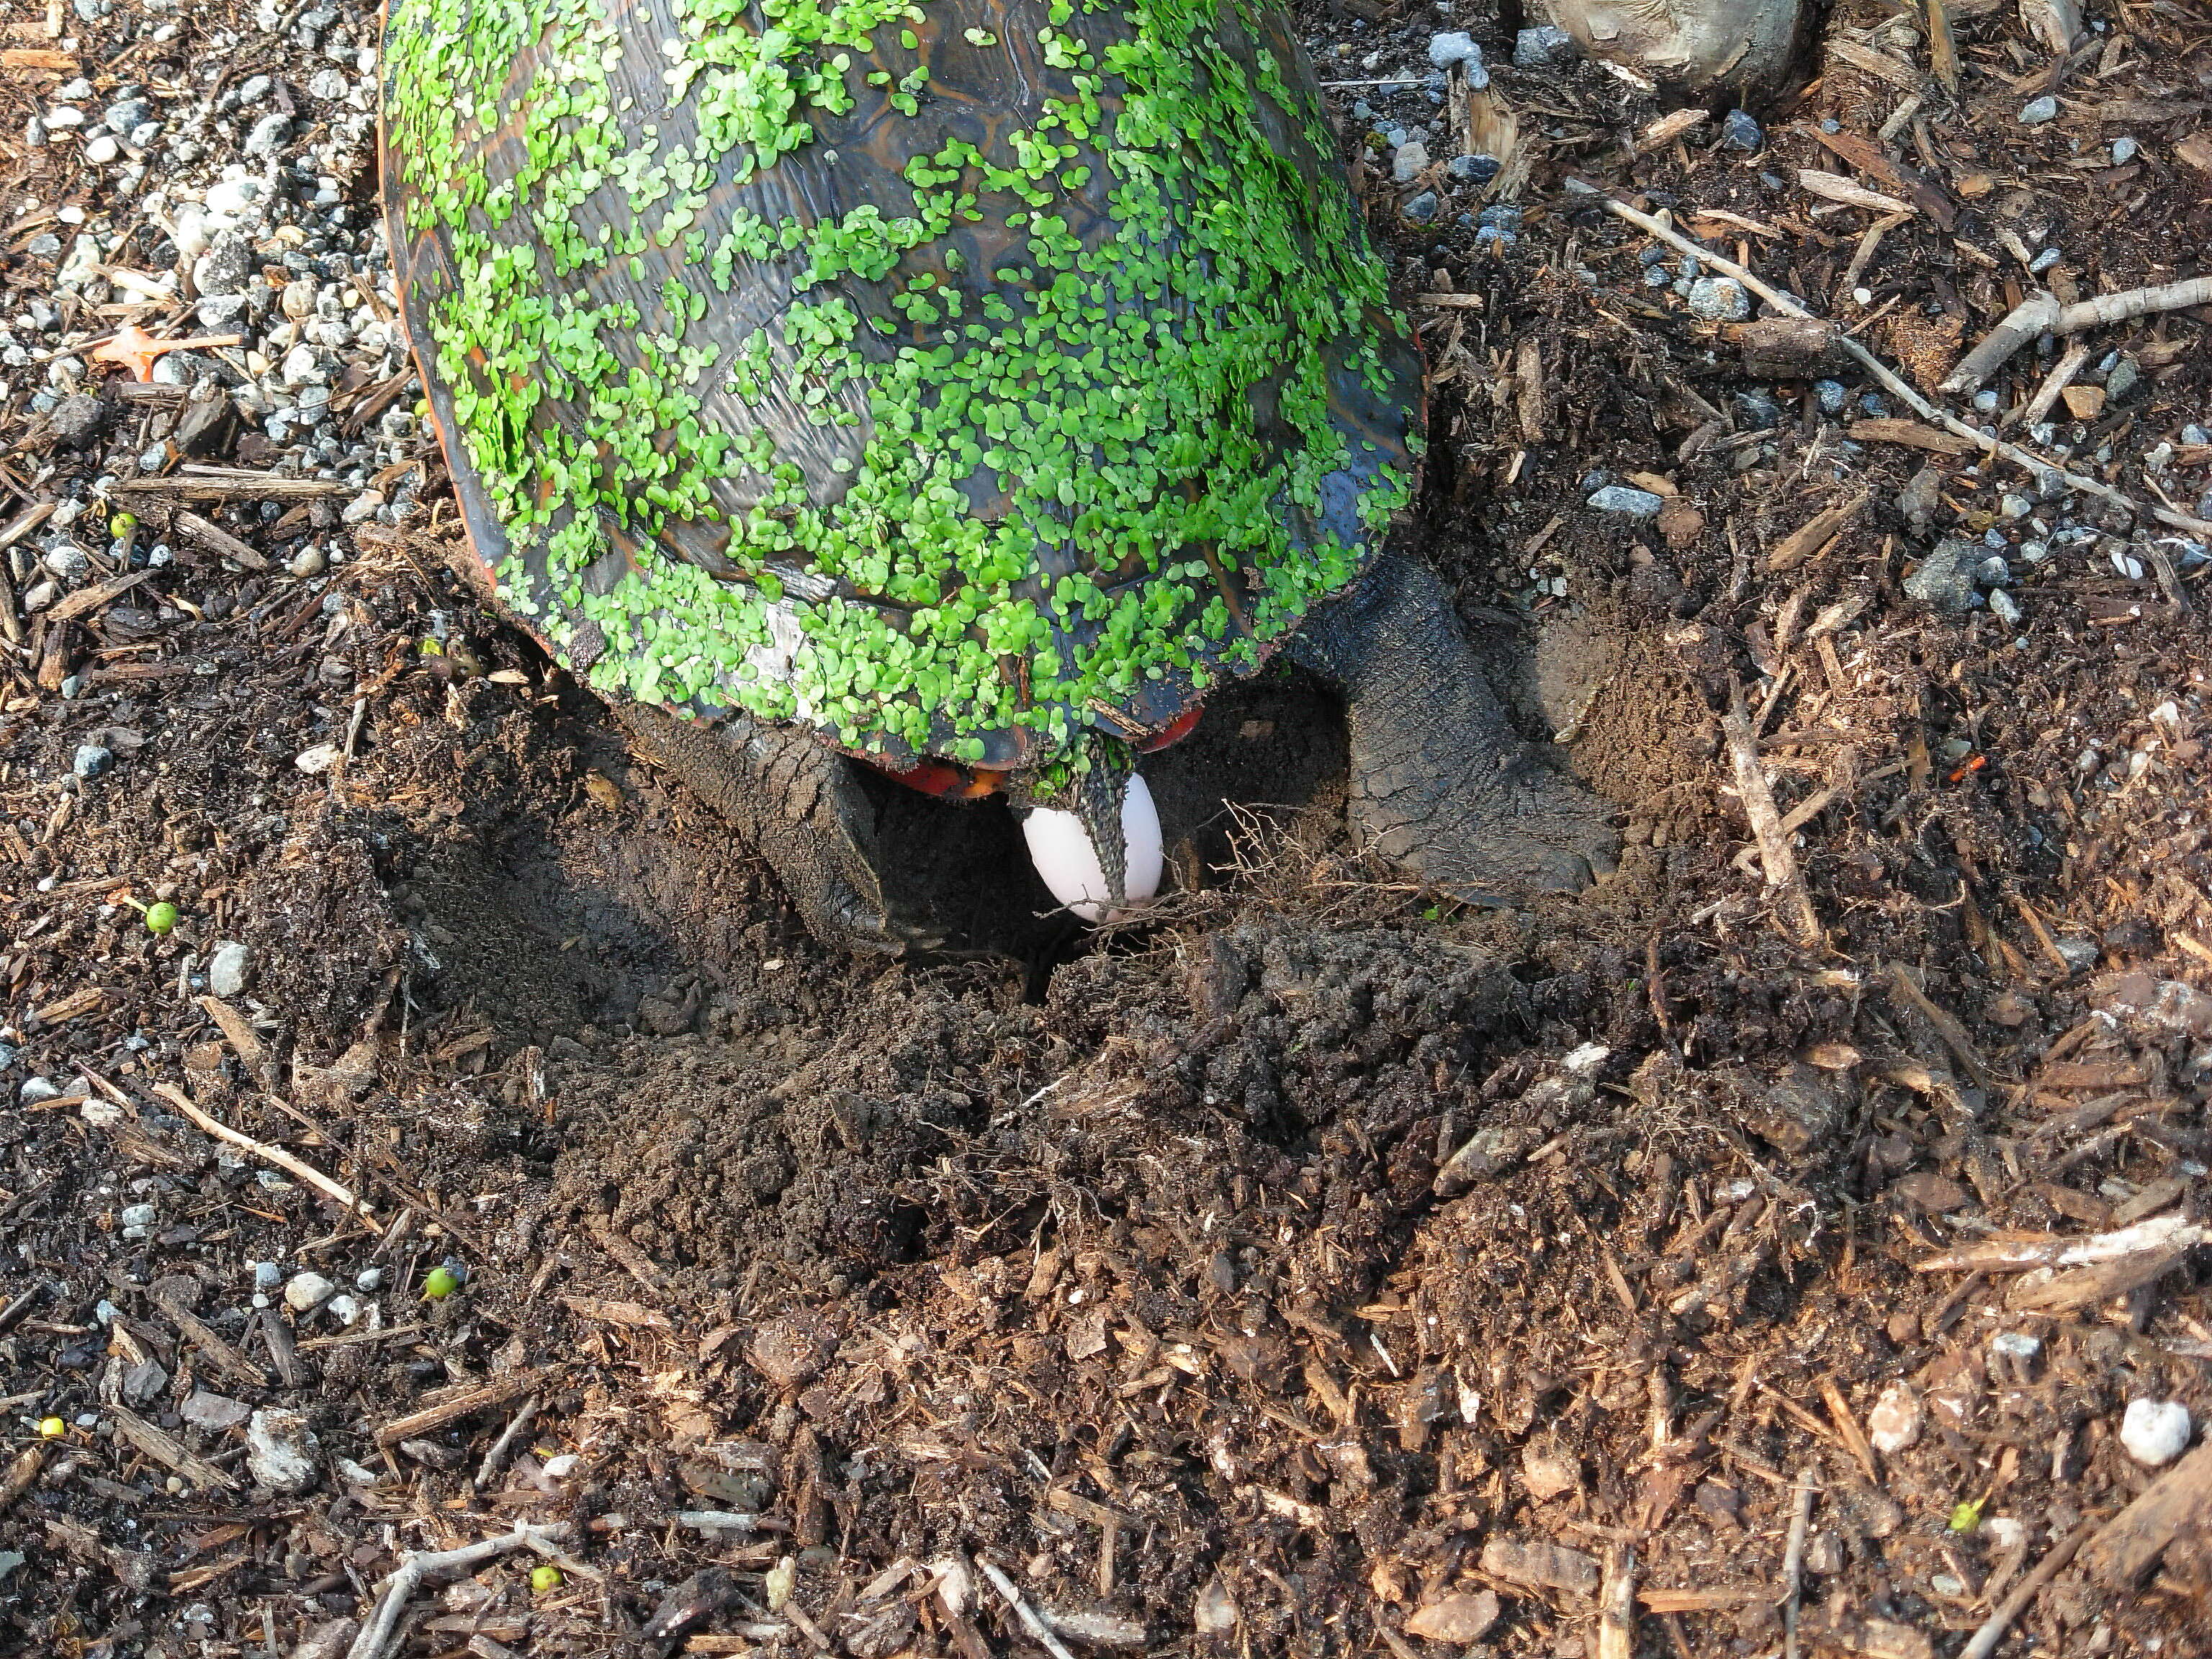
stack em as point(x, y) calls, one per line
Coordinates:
point(280, 1451)
point(561, 1467)
point(342, 1308)
point(1896, 1419)
point(304, 1292)
point(320, 759)
point(2155, 1431)
point(227, 968)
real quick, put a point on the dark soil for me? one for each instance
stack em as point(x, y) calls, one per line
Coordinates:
point(1248, 1281)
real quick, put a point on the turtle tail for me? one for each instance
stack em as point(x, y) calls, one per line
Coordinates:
point(1095, 838)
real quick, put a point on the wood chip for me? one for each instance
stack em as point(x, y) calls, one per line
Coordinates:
point(2086, 1286)
point(1814, 534)
point(1836, 188)
point(2131, 1542)
point(1877, 1639)
point(2166, 1232)
point(608, 1311)
point(216, 539)
point(227, 484)
point(1893, 429)
point(464, 1405)
point(1898, 73)
point(170, 1453)
point(86, 600)
point(1547, 1566)
point(219, 1353)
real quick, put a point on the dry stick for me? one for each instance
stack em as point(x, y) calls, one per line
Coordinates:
point(1616, 1613)
point(1992, 1630)
point(2024, 459)
point(497, 1454)
point(342, 1196)
point(2061, 376)
point(2041, 313)
point(1793, 1559)
point(1036, 1626)
point(414, 1569)
point(1758, 799)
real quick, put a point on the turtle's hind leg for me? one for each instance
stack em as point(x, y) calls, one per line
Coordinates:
point(802, 807)
point(1441, 783)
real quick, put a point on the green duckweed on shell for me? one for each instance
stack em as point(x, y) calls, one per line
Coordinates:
point(938, 376)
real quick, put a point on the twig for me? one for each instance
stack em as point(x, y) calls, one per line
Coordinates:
point(1992, 1630)
point(1793, 1559)
point(1027, 1614)
point(1897, 387)
point(1616, 1609)
point(2061, 376)
point(497, 1454)
point(452, 1411)
point(340, 1196)
point(1758, 807)
point(2041, 313)
point(413, 1569)
point(2165, 1232)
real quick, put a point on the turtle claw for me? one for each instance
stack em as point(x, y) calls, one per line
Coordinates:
point(1441, 786)
point(803, 808)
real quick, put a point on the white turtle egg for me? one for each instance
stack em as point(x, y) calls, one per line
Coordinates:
point(1061, 848)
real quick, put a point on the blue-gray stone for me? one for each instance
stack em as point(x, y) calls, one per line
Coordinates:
point(1832, 394)
point(2037, 112)
point(1628, 502)
point(1539, 48)
point(1944, 579)
point(91, 760)
point(1739, 131)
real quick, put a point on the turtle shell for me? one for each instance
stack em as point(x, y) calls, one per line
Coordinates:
point(954, 375)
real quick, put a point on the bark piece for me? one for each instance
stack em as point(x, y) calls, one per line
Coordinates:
point(2131, 1543)
point(1547, 1566)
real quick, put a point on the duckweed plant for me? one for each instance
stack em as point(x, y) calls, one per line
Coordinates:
point(954, 377)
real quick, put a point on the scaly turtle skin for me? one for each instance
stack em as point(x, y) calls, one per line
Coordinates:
point(971, 384)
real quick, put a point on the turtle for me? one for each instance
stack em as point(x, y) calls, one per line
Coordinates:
point(961, 389)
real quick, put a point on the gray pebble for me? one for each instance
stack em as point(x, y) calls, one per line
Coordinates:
point(36, 1089)
point(228, 970)
point(1719, 299)
point(1539, 48)
point(1739, 130)
point(1456, 47)
point(1410, 161)
point(2123, 151)
point(1627, 501)
point(268, 135)
point(1422, 208)
point(2004, 607)
point(2041, 110)
point(255, 90)
point(1832, 395)
point(1945, 578)
point(267, 1275)
point(101, 151)
point(91, 761)
point(1985, 402)
point(2123, 379)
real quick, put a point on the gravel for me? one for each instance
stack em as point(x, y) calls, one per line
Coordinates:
point(2155, 1431)
point(1627, 501)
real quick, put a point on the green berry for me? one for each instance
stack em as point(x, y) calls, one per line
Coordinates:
point(439, 1284)
point(122, 524)
point(1966, 1515)
point(544, 1577)
point(160, 918)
